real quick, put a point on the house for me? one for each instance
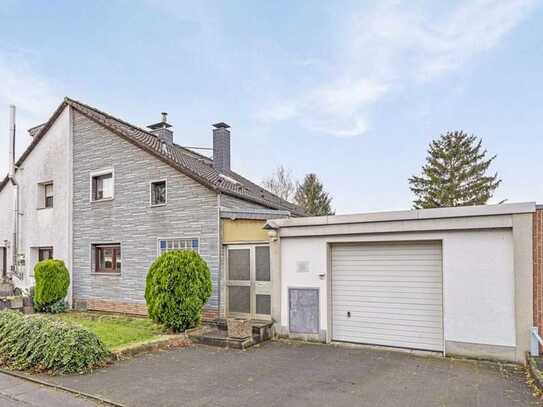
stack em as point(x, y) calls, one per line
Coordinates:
point(108, 197)
point(464, 281)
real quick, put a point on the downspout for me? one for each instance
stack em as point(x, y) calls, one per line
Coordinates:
point(11, 175)
point(219, 246)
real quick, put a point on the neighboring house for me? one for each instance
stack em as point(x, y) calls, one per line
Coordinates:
point(452, 280)
point(108, 197)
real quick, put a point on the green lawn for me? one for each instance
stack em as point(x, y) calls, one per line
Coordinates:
point(115, 330)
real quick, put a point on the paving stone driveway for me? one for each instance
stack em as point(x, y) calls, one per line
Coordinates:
point(294, 374)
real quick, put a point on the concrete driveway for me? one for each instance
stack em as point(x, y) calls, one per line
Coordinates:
point(294, 374)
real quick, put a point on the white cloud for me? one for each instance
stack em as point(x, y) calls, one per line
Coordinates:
point(382, 49)
point(33, 95)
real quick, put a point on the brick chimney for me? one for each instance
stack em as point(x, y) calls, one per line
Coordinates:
point(221, 147)
point(162, 130)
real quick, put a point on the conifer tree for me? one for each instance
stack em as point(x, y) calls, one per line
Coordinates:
point(311, 196)
point(455, 173)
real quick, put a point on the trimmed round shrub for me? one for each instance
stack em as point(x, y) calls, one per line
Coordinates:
point(178, 286)
point(52, 282)
point(44, 344)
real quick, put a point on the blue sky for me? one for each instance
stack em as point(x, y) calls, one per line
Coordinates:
point(353, 91)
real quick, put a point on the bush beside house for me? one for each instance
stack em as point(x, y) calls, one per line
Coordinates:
point(52, 282)
point(44, 344)
point(178, 286)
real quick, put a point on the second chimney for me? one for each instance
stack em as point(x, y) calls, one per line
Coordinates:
point(221, 147)
point(162, 130)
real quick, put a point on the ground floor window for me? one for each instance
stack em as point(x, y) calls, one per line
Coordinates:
point(165, 245)
point(107, 258)
point(45, 253)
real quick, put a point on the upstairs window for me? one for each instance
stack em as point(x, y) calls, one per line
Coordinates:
point(102, 186)
point(158, 193)
point(48, 195)
point(165, 245)
point(107, 258)
point(45, 195)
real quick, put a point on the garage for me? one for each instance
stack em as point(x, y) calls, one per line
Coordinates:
point(388, 294)
point(449, 280)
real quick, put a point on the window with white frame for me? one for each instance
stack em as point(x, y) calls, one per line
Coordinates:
point(102, 185)
point(165, 245)
point(158, 193)
point(45, 195)
point(48, 195)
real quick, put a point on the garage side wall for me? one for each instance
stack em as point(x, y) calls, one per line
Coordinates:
point(538, 268)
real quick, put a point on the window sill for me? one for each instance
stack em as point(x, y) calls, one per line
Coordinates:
point(101, 273)
point(44, 208)
point(102, 200)
point(158, 205)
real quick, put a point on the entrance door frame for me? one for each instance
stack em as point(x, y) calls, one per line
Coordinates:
point(256, 287)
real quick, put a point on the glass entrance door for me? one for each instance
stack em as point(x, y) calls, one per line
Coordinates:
point(248, 281)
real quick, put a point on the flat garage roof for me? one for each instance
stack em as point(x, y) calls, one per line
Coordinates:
point(414, 214)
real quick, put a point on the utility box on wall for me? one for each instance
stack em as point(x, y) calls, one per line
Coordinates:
point(303, 304)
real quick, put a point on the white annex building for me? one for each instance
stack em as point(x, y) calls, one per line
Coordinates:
point(453, 280)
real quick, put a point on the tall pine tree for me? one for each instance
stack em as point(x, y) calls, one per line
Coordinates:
point(454, 174)
point(311, 196)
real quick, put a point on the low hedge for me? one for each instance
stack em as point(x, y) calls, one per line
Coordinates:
point(42, 343)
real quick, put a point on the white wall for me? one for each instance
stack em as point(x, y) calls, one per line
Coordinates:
point(49, 161)
point(6, 216)
point(479, 284)
point(478, 280)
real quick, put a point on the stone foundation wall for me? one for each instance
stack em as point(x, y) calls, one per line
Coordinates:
point(208, 314)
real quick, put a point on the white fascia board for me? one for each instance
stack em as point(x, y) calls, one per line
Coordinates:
point(415, 214)
point(402, 226)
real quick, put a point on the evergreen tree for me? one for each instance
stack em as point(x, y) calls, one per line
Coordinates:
point(310, 195)
point(454, 174)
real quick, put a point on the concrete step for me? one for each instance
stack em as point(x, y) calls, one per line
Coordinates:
point(216, 334)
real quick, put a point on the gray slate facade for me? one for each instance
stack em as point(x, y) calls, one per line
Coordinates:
point(191, 212)
point(199, 190)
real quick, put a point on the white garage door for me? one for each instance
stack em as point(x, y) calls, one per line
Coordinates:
point(388, 294)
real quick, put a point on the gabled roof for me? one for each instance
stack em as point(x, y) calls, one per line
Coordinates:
point(190, 163)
